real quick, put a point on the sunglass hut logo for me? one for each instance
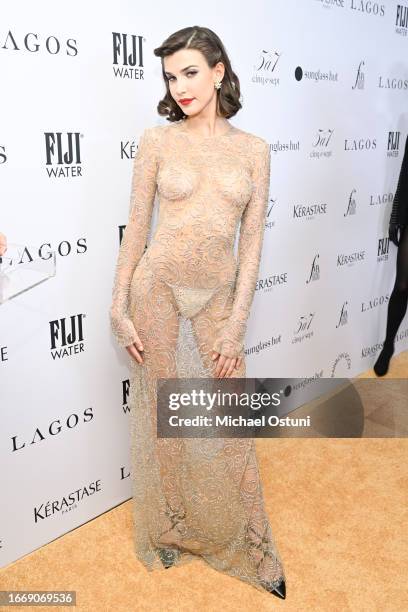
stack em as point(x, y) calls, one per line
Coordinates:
point(63, 154)
point(127, 52)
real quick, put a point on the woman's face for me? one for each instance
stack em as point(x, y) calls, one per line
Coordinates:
point(189, 77)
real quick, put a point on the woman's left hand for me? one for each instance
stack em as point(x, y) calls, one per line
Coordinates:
point(225, 365)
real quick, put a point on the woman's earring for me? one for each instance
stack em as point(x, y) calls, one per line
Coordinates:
point(217, 84)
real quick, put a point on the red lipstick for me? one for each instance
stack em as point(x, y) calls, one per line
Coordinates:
point(186, 101)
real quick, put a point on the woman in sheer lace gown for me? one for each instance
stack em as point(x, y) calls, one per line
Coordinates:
point(186, 299)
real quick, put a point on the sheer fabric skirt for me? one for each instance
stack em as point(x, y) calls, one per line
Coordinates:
point(201, 497)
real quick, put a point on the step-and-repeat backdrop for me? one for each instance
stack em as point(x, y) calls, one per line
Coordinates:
point(324, 82)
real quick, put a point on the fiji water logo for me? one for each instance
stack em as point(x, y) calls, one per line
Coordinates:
point(63, 154)
point(125, 395)
point(383, 248)
point(67, 336)
point(401, 20)
point(127, 56)
point(393, 143)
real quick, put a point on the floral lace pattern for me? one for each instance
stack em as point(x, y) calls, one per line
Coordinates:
point(185, 296)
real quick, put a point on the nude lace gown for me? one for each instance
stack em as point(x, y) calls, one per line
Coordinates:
point(187, 295)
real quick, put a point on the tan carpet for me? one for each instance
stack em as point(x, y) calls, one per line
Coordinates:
point(338, 509)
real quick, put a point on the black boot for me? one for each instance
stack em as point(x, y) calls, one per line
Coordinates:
point(383, 361)
point(279, 590)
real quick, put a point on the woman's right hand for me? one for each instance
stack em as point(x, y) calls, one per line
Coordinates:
point(134, 350)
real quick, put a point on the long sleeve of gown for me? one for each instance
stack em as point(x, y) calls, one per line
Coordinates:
point(399, 213)
point(143, 189)
point(230, 342)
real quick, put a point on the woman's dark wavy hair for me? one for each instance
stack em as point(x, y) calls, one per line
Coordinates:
point(206, 41)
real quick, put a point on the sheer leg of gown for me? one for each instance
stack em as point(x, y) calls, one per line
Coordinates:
point(254, 557)
point(155, 462)
point(199, 497)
